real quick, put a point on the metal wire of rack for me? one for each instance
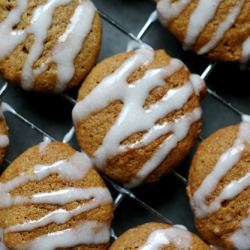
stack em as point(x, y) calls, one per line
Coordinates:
point(123, 192)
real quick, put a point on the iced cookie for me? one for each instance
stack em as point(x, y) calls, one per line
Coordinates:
point(52, 198)
point(218, 187)
point(138, 114)
point(152, 236)
point(219, 28)
point(48, 46)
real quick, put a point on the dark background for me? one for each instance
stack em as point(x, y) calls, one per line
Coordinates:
point(53, 113)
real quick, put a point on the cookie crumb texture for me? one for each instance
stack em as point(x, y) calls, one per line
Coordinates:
point(48, 46)
point(222, 203)
point(157, 236)
point(138, 115)
point(219, 29)
point(54, 199)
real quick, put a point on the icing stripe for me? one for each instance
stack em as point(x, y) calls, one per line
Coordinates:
point(70, 43)
point(4, 141)
point(89, 232)
point(245, 51)
point(96, 196)
point(201, 16)
point(116, 82)
point(241, 238)
point(134, 117)
point(66, 48)
point(40, 24)
point(223, 27)
point(180, 129)
point(74, 168)
point(181, 239)
point(173, 9)
point(226, 162)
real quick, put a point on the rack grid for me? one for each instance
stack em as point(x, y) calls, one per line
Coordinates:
point(121, 191)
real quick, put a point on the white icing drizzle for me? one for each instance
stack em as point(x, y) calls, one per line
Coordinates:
point(241, 238)
point(68, 137)
point(201, 16)
point(97, 196)
point(4, 139)
point(223, 27)
point(74, 168)
point(245, 51)
point(70, 43)
point(44, 144)
point(223, 165)
point(89, 232)
point(136, 118)
point(134, 45)
point(163, 237)
point(2, 245)
point(66, 48)
point(226, 162)
point(167, 10)
point(198, 83)
point(179, 129)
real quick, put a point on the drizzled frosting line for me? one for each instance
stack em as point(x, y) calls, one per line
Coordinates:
point(74, 168)
point(199, 19)
point(64, 52)
point(89, 232)
point(134, 117)
point(94, 197)
point(164, 237)
point(226, 162)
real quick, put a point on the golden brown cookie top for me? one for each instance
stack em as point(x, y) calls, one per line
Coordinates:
point(151, 236)
point(127, 108)
point(51, 198)
point(48, 46)
point(218, 187)
point(219, 28)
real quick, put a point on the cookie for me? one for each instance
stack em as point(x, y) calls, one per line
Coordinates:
point(219, 189)
point(48, 46)
point(151, 236)
point(52, 198)
point(138, 114)
point(220, 29)
point(4, 138)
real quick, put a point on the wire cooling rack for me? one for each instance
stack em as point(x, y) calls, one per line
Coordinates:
point(156, 202)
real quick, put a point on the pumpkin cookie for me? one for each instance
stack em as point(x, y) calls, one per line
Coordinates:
point(158, 236)
point(51, 198)
point(138, 114)
point(48, 46)
point(219, 187)
point(219, 28)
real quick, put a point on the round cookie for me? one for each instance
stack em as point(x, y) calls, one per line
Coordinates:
point(220, 29)
point(52, 198)
point(219, 187)
point(48, 46)
point(4, 139)
point(138, 114)
point(158, 236)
